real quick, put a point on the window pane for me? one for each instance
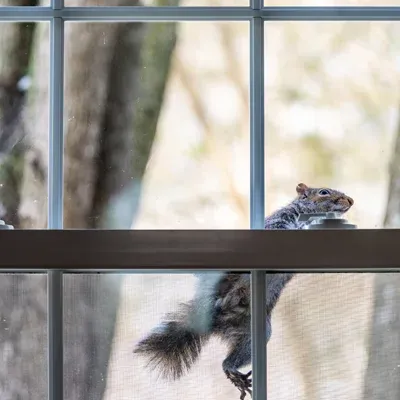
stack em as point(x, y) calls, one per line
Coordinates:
point(157, 125)
point(156, 3)
point(335, 336)
point(24, 115)
point(107, 315)
point(332, 115)
point(330, 3)
point(23, 337)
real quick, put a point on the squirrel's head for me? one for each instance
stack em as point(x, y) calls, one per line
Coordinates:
point(321, 200)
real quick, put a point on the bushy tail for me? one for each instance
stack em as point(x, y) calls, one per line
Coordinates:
point(173, 347)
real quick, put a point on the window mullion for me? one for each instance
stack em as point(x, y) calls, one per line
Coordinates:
point(257, 195)
point(55, 374)
point(55, 170)
point(256, 123)
point(55, 204)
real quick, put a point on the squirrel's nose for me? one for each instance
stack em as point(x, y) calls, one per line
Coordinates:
point(350, 200)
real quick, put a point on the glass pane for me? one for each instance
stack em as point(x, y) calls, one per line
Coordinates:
point(330, 3)
point(30, 3)
point(24, 115)
point(23, 337)
point(335, 336)
point(156, 3)
point(332, 115)
point(107, 316)
point(157, 136)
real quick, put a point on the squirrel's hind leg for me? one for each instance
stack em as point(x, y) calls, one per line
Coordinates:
point(241, 381)
point(239, 356)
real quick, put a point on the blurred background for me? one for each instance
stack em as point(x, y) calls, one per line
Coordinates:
point(157, 137)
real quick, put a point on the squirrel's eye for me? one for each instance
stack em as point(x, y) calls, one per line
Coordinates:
point(324, 192)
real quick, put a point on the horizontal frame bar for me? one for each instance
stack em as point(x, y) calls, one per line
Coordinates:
point(159, 13)
point(340, 13)
point(155, 271)
point(26, 14)
point(244, 250)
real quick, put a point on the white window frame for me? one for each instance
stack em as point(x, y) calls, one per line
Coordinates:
point(55, 250)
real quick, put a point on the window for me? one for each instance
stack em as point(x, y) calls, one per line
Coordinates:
point(82, 100)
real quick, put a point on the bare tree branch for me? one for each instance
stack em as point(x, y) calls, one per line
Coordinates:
point(233, 65)
point(218, 156)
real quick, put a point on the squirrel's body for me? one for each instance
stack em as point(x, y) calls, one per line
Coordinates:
point(221, 305)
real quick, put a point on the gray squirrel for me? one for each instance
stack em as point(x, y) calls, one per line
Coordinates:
point(176, 343)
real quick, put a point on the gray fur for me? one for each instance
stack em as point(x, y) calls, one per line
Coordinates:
point(221, 305)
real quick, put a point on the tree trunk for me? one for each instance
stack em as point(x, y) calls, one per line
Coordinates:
point(22, 297)
point(382, 376)
point(115, 76)
point(15, 51)
point(126, 169)
point(23, 340)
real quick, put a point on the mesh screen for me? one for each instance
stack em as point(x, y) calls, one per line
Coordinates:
point(326, 341)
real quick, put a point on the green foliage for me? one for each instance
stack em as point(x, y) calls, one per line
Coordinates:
point(198, 151)
point(11, 172)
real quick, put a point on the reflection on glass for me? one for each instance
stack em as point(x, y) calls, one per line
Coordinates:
point(332, 114)
point(24, 115)
point(157, 125)
point(23, 336)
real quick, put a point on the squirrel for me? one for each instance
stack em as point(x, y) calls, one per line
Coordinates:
point(221, 305)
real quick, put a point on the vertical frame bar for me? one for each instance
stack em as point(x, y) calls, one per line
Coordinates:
point(55, 204)
point(55, 374)
point(257, 122)
point(256, 4)
point(258, 335)
point(257, 201)
point(56, 138)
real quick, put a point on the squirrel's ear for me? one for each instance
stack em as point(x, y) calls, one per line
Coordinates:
point(301, 188)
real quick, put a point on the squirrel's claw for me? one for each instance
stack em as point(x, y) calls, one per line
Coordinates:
point(241, 381)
